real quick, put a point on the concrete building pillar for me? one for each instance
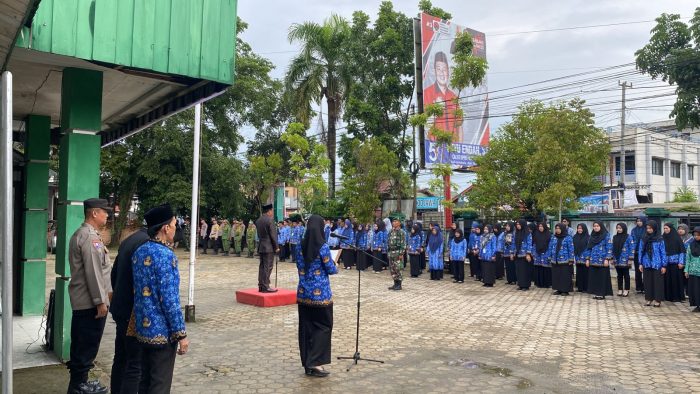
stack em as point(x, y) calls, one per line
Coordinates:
point(32, 285)
point(79, 179)
point(684, 167)
point(667, 170)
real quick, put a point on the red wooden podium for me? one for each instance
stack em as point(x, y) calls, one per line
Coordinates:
point(266, 300)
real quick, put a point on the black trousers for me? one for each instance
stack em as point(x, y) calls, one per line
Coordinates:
point(654, 285)
point(315, 329)
point(638, 277)
point(377, 261)
point(474, 266)
point(500, 268)
point(267, 260)
point(126, 366)
point(458, 269)
point(85, 335)
point(623, 278)
point(157, 369)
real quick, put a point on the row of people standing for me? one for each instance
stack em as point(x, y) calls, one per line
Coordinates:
point(224, 236)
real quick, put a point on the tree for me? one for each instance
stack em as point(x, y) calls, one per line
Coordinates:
point(685, 194)
point(264, 173)
point(320, 72)
point(377, 172)
point(383, 81)
point(307, 164)
point(545, 158)
point(427, 7)
point(673, 54)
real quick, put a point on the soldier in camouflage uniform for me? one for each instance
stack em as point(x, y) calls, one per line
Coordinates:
point(397, 247)
point(186, 231)
point(238, 238)
point(250, 239)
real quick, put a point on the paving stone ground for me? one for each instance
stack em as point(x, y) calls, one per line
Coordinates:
point(435, 337)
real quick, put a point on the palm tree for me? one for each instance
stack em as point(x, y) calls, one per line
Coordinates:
point(320, 72)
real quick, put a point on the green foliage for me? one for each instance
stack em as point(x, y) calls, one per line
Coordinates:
point(545, 155)
point(469, 70)
point(320, 72)
point(264, 173)
point(307, 164)
point(673, 54)
point(427, 7)
point(686, 208)
point(381, 64)
point(685, 194)
point(376, 169)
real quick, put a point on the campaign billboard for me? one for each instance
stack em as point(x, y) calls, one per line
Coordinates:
point(471, 130)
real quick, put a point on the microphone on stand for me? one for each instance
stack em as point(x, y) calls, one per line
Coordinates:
point(343, 237)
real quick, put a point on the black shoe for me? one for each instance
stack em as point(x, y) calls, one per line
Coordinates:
point(93, 387)
point(317, 372)
point(564, 293)
point(398, 285)
point(556, 292)
point(697, 309)
point(268, 290)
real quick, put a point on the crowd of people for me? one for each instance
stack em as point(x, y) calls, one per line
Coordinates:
point(665, 260)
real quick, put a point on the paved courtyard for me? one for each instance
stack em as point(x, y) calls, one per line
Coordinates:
point(434, 337)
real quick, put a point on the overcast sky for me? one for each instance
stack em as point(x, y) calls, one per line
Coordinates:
point(514, 59)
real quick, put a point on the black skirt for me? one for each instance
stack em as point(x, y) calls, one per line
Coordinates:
point(522, 271)
point(414, 260)
point(673, 283)
point(653, 285)
point(315, 328)
point(562, 278)
point(437, 274)
point(500, 270)
point(361, 260)
point(488, 271)
point(582, 277)
point(694, 290)
point(348, 257)
point(474, 266)
point(599, 282)
point(377, 261)
point(510, 270)
point(543, 277)
point(422, 260)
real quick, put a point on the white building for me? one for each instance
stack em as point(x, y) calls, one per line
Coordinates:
point(659, 160)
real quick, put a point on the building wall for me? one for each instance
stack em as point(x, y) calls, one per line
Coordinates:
point(647, 145)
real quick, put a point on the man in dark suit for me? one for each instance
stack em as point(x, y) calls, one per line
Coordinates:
point(267, 248)
point(126, 367)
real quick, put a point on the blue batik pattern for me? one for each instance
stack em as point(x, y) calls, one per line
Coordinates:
point(379, 242)
point(436, 259)
point(157, 318)
point(508, 245)
point(314, 284)
point(658, 258)
point(415, 244)
point(566, 252)
point(525, 248)
point(600, 252)
point(537, 258)
point(627, 254)
point(458, 251)
point(474, 242)
point(350, 234)
point(488, 248)
point(361, 241)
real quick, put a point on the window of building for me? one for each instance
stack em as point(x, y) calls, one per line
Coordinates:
point(675, 169)
point(691, 173)
point(657, 167)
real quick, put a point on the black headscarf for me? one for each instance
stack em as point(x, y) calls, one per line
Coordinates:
point(381, 226)
point(687, 235)
point(673, 242)
point(649, 239)
point(452, 233)
point(541, 238)
point(560, 237)
point(521, 235)
point(496, 229)
point(597, 236)
point(619, 240)
point(508, 239)
point(313, 239)
point(460, 239)
point(638, 232)
point(581, 240)
point(695, 245)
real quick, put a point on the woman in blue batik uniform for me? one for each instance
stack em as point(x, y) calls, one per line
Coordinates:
point(314, 298)
point(361, 243)
point(157, 321)
point(652, 263)
point(598, 260)
point(379, 246)
point(675, 264)
point(487, 254)
point(499, 233)
point(436, 262)
point(474, 246)
point(415, 247)
point(581, 239)
point(561, 257)
point(523, 239)
point(623, 258)
point(540, 247)
point(348, 253)
point(508, 248)
point(458, 253)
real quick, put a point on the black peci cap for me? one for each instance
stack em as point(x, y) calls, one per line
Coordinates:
point(97, 203)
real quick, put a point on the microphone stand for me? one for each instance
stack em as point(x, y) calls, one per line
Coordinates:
point(356, 356)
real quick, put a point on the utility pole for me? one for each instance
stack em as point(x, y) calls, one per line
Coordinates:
point(194, 220)
point(624, 86)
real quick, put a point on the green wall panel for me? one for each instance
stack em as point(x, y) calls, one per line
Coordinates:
point(34, 246)
point(62, 320)
point(39, 137)
point(79, 170)
point(33, 288)
point(81, 99)
point(36, 185)
point(70, 217)
point(193, 38)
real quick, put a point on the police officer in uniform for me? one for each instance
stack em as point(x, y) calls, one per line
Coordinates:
point(90, 292)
